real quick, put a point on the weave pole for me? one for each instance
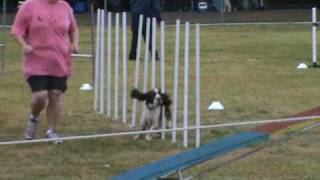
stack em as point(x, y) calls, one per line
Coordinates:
point(101, 71)
point(146, 59)
point(163, 73)
point(137, 70)
point(153, 53)
point(4, 36)
point(109, 63)
point(197, 80)
point(96, 62)
point(175, 82)
point(124, 62)
point(116, 70)
point(314, 37)
point(186, 85)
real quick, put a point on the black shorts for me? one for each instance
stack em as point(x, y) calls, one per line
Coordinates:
point(39, 83)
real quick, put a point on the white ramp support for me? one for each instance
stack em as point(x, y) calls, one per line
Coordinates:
point(124, 62)
point(137, 71)
point(197, 80)
point(314, 37)
point(176, 82)
point(186, 85)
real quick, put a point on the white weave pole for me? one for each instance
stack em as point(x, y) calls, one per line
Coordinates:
point(146, 59)
point(124, 62)
point(153, 53)
point(96, 62)
point(137, 71)
point(198, 98)
point(116, 71)
point(101, 79)
point(186, 86)
point(162, 73)
point(314, 36)
point(109, 70)
point(176, 82)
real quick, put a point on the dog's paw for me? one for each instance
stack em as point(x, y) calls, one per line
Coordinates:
point(136, 137)
point(148, 137)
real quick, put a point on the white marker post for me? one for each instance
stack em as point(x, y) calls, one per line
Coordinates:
point(137, 71)
point(314, 37)
point(125, 73)
point(186, 85)
point(116, 71)
point(176, 82)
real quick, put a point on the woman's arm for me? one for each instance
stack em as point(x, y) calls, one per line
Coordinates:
point(74, 39)
point(25, 46)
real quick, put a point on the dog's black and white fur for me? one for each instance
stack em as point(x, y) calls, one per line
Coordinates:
point(154, 102)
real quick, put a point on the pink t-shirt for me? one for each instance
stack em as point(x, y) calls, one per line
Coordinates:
point(46, 28)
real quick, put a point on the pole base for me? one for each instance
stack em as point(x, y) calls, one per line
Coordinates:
point(315, 65)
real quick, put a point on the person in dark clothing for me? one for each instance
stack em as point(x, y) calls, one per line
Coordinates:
point(149, 9)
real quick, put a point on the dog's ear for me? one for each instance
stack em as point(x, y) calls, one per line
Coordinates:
point(136, 94)
point(165, 99)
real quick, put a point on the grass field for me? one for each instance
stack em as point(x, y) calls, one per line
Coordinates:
point(251, 70)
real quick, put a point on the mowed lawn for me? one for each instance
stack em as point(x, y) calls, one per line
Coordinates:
point(251, 70)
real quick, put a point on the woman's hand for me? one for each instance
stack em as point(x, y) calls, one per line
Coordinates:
point(27, 49)
point(75, 48)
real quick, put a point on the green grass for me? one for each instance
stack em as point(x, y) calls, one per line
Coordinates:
point(251, 70)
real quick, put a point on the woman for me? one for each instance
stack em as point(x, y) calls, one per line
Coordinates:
point(47, 33)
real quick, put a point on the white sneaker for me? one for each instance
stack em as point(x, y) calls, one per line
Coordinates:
point(52, 135)
point(31, 129)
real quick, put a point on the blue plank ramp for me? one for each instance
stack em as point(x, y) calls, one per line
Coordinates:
point(193, 157)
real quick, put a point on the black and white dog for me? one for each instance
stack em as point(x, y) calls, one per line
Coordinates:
point(154, 102)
